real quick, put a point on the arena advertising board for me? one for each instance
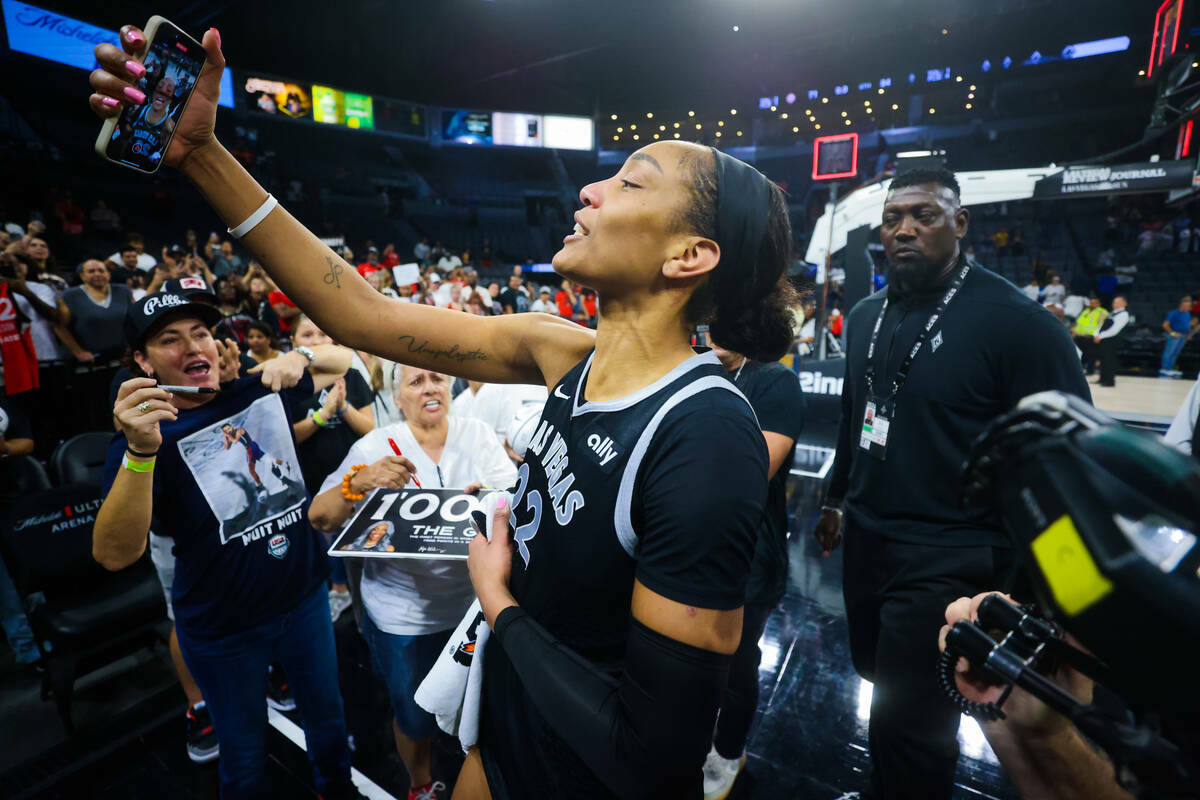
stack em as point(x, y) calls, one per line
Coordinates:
point(397, 116)
point(65, 40)
point(278, 98)
point(410, 523)
point(1150, 176)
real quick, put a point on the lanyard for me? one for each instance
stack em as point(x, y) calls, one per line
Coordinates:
point(906, 365)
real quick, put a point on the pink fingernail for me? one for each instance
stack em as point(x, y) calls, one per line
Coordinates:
point(135, 68)
point(218, 33)
point(135, 37)
point(502, 503)
point(135, 95)
point(111, 102)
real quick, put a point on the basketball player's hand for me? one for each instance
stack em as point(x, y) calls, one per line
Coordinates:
point(490, 564)
point(829, 531)
point(389, 472)
point(1025, 713)
point(228, 352)
point(281, 372)
point(195, 127)
point(141, 424)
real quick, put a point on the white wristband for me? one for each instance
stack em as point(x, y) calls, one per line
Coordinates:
point(258, 216)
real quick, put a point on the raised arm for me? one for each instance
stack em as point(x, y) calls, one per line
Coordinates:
point(518, 350)
point(123, 521)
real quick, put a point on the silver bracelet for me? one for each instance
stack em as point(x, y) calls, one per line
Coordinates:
point(834, 509)
point(258, 216)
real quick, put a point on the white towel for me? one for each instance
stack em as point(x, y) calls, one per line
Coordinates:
point(453, 688)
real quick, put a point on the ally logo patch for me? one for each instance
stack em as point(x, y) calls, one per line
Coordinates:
point(278, 545)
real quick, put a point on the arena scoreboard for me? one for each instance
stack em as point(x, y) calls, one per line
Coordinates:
point(835, 157)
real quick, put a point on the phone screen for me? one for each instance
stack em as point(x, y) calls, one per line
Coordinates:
point(142, 133)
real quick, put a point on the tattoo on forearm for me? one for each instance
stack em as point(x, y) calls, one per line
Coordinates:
point(334, 278)
point(452, 352)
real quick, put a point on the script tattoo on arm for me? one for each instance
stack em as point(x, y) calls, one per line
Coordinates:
point(334, 278)
point(453, 352)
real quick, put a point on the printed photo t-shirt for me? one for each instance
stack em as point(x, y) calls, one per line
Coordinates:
point(229, 491)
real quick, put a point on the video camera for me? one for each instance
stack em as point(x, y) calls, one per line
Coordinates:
point(1105, 519)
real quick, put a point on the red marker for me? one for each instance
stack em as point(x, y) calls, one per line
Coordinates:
point(396, 450)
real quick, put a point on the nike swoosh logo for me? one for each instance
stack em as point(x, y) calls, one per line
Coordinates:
point(558, 393)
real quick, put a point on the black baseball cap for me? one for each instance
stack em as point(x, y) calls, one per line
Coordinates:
point(149, 314)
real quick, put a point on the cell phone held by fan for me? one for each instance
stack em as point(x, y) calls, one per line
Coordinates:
point(138, 137)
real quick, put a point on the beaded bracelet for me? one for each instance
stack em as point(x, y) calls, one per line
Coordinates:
point(349, 476)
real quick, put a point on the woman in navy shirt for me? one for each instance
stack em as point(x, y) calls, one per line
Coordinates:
point(249, 585)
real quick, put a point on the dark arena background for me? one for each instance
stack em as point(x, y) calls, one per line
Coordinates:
point(443, 146)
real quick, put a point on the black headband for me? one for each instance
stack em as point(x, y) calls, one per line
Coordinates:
point(743, 205)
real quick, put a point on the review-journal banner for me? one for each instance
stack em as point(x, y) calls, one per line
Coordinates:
point(1151, 176)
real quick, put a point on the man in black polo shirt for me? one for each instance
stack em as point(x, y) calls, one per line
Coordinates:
point(946, 348)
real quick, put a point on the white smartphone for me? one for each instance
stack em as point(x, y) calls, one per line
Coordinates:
point(138, 137)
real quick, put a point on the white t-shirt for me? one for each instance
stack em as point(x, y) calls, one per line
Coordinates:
point(1073, 305)
point(443, 294)
point(808, 331)
point(447, 263)
point(461, 405)
point(44, 340)
point(545, 306)
point(1054, 293)
point(146, 261)
point(415, 596)
point(500, 405)
point(1031, 291)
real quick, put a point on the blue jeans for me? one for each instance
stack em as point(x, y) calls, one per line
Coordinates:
point(14, 621)
point(403, 662)
point(232, 674)
point(1171, 351)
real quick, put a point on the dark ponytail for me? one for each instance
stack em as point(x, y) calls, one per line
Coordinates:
point(746, 302)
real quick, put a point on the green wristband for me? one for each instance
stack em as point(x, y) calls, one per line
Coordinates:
point(137, 466)
point(316, 417)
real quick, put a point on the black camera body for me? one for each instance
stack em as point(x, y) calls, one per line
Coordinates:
point(1105, 521)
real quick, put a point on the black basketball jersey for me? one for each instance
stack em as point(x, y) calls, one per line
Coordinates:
point(582, 515)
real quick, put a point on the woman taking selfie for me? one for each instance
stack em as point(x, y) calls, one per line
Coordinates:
point(219, 472)
point(617, 603)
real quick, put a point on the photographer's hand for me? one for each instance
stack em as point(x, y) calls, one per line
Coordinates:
point(1040, 750)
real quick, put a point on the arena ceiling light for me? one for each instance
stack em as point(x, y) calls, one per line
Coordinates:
point(614, 117)
point(691, 113)
point(914, 154)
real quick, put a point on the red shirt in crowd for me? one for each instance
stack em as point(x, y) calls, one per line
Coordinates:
point(366, 268)
point(275, 298)
point(564, 305)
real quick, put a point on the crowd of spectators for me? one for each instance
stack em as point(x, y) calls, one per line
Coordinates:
point(70, 310)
